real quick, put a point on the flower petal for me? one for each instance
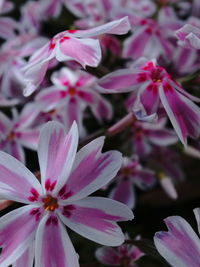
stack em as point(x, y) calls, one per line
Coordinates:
point(108, 256)
point(15, 242)
point(92, 169)
point(13, 174)
point(16, 150)
point(162, 137)
point(120, 26)
point(26, 259)
point(95, 217)
point(56, 152)
point(135, 45)
point(50, 98)
point(53, 246)
point(5, 124)
point(179, 245)
point(29, 138)
point(124, 192)
point(34, 76)
point(102, 109)
point(183, 113)
point(149, 98)
point(197, 216)
point(85, 51)
point(119, 81)
point(144, 179)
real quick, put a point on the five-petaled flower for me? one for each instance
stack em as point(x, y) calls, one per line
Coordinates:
point(78, 45)
point(155, 88)
point(61, 199)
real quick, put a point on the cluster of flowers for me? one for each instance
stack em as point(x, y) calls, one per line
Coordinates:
point(50, 99)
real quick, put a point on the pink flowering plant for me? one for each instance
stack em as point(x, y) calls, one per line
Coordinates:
point(99, 119)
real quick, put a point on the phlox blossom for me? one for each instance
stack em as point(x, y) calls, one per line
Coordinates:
point(61, 199)
point(78, 45)
point(155, 88)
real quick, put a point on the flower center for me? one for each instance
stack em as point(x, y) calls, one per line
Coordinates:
point(50, 203)
point(11, 136)
point(126, 171)
point(72, 91)
point(157, 74)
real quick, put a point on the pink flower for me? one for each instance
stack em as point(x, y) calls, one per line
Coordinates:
point(125, 255)
point(150, 38)
point(155, 87)
point(130, 175)
point(18, 133)
point(61, 199)
point(33, 13)
point(73, 92)
point(12, 54)
point(146, 135)
point(70, 45)
point(180, 246)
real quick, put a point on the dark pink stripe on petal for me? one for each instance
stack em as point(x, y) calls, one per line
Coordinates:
point(93, 218)
point(181, 241)
point(89, 169)
point(183, 113)
point(16, 227)
point(53, 247)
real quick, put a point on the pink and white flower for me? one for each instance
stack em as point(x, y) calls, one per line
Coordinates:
point(72, 91)
point(33, 13)
point(12, 58)
point(180, 246)
point(146, 135)
point(125, 255)
point(78, 45)
point(154, 87)
point(151, 38)
point(130, 175)
point(61, 199)
point(18, 132)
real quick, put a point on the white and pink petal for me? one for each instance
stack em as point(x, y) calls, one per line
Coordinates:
point(91, 170)
point(85, 51)
point(15, 242)
point(56, 152)
point(52, 245)
point(179, 245)
point(95, 218)
point(13, 174)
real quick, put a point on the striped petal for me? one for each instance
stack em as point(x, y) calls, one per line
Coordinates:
point(15, 242)
point(56, 152)
point(183, 113)
point(95, 218)
point(53, 246)
point(180, 246)
point(91, 170)
point(13, 175)
point(124, 192)
point(26, 259)
point(85, 51)
point(120, 26)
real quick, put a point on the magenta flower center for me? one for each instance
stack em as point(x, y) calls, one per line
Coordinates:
point(50, 203)
point(157, 74)
point(72, 91)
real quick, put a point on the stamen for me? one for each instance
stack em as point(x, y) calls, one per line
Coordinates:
point(50, 203)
